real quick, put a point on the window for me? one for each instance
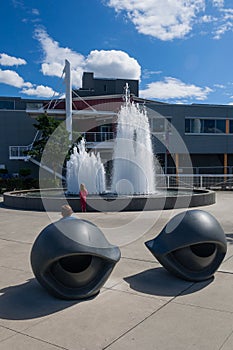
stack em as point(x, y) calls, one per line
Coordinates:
point(34, 105)
point(7, 105)
point(231, 126)
point(160, 124)
point(205, 126)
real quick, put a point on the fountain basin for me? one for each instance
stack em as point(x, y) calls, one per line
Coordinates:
point(53, 199)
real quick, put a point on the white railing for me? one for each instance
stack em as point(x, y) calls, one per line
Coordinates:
point(20, 152)
point(99, 136)
point(200, 170)
point(210, 181)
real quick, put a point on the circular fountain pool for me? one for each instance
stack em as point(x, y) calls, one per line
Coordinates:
point(53, 199)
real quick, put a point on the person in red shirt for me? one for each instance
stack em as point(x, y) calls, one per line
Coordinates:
point(83, 197)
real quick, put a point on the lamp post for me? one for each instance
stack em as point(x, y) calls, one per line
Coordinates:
point(68, 83)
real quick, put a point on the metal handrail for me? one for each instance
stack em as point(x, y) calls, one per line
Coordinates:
point(99, 136)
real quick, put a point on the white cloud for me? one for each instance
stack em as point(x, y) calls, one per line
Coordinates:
point(40, 91)
point(220, 86)
point(225, 23)
point(171, 88)
point(207, 19)
point(172, 19)
point(55, 56)
point(12, 78)
point(218, 3)
point(6, 60)
point(112, 64)
point(165, 20)
point(107, 64)
point(35, 12)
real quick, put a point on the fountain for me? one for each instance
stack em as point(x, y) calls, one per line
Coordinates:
point(85, 168)
point(133, 183)
point(134, 162)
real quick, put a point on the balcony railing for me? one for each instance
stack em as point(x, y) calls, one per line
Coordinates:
point(99, 136)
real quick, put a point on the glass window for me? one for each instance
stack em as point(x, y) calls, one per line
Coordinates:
point(7, 105)
point(34, 105)
point(231, 126)
point(160, 124)
point(197, 125)
point(209, 126)
point(187, 125)
point(206, 126)
point(220, 126)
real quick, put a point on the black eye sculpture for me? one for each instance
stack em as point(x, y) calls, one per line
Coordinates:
point(72, 259)
point(192, 245)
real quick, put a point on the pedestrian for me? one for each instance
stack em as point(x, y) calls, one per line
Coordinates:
point(66, 212)
point(83, 197)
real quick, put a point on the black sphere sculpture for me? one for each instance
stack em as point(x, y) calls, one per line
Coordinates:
point(72, 259)
point(192, 245)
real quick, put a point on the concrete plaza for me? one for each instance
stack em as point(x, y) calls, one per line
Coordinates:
point(141, 306)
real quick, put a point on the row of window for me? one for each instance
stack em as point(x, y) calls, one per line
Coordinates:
point(208, 126)
point(194, 125)
point(10, 104)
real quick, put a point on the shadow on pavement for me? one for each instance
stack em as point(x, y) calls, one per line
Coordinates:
point(229, 238)
point(159, 281)
point(29, 300)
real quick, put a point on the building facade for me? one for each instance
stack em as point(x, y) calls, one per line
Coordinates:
point(202, 133)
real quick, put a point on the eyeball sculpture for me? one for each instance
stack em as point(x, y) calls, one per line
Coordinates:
point(192, 245)
point(72, 259)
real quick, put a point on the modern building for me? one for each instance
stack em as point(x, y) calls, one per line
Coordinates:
point(201, 133)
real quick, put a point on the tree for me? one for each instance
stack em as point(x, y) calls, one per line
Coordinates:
point(46, 125)
point(24, 172)
point(53, 146)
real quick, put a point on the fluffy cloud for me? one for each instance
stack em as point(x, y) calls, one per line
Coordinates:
point(108, 64)
point(12, 78)
point(168, 20)
point(55, 56)
point(218, 3)
point(40, 91)
point(171, 88)
point(114, 64)
point(6, 60)
point(225, 23)
point(165, 20)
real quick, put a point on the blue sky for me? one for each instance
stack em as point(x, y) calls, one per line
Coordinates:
point(180, 50)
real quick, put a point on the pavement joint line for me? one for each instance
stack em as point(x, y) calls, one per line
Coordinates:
point(132, 293)
point(147, 317)
point(229, 257)
point(15, 241)
point(143, 260)
point(13, 268)
point(225, 272)
point(29, 336)
point(226, 340)
point(204, 307)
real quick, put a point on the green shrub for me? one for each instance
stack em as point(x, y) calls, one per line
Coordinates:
point(12, 184)
point(24, 172)
point(3, 171)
